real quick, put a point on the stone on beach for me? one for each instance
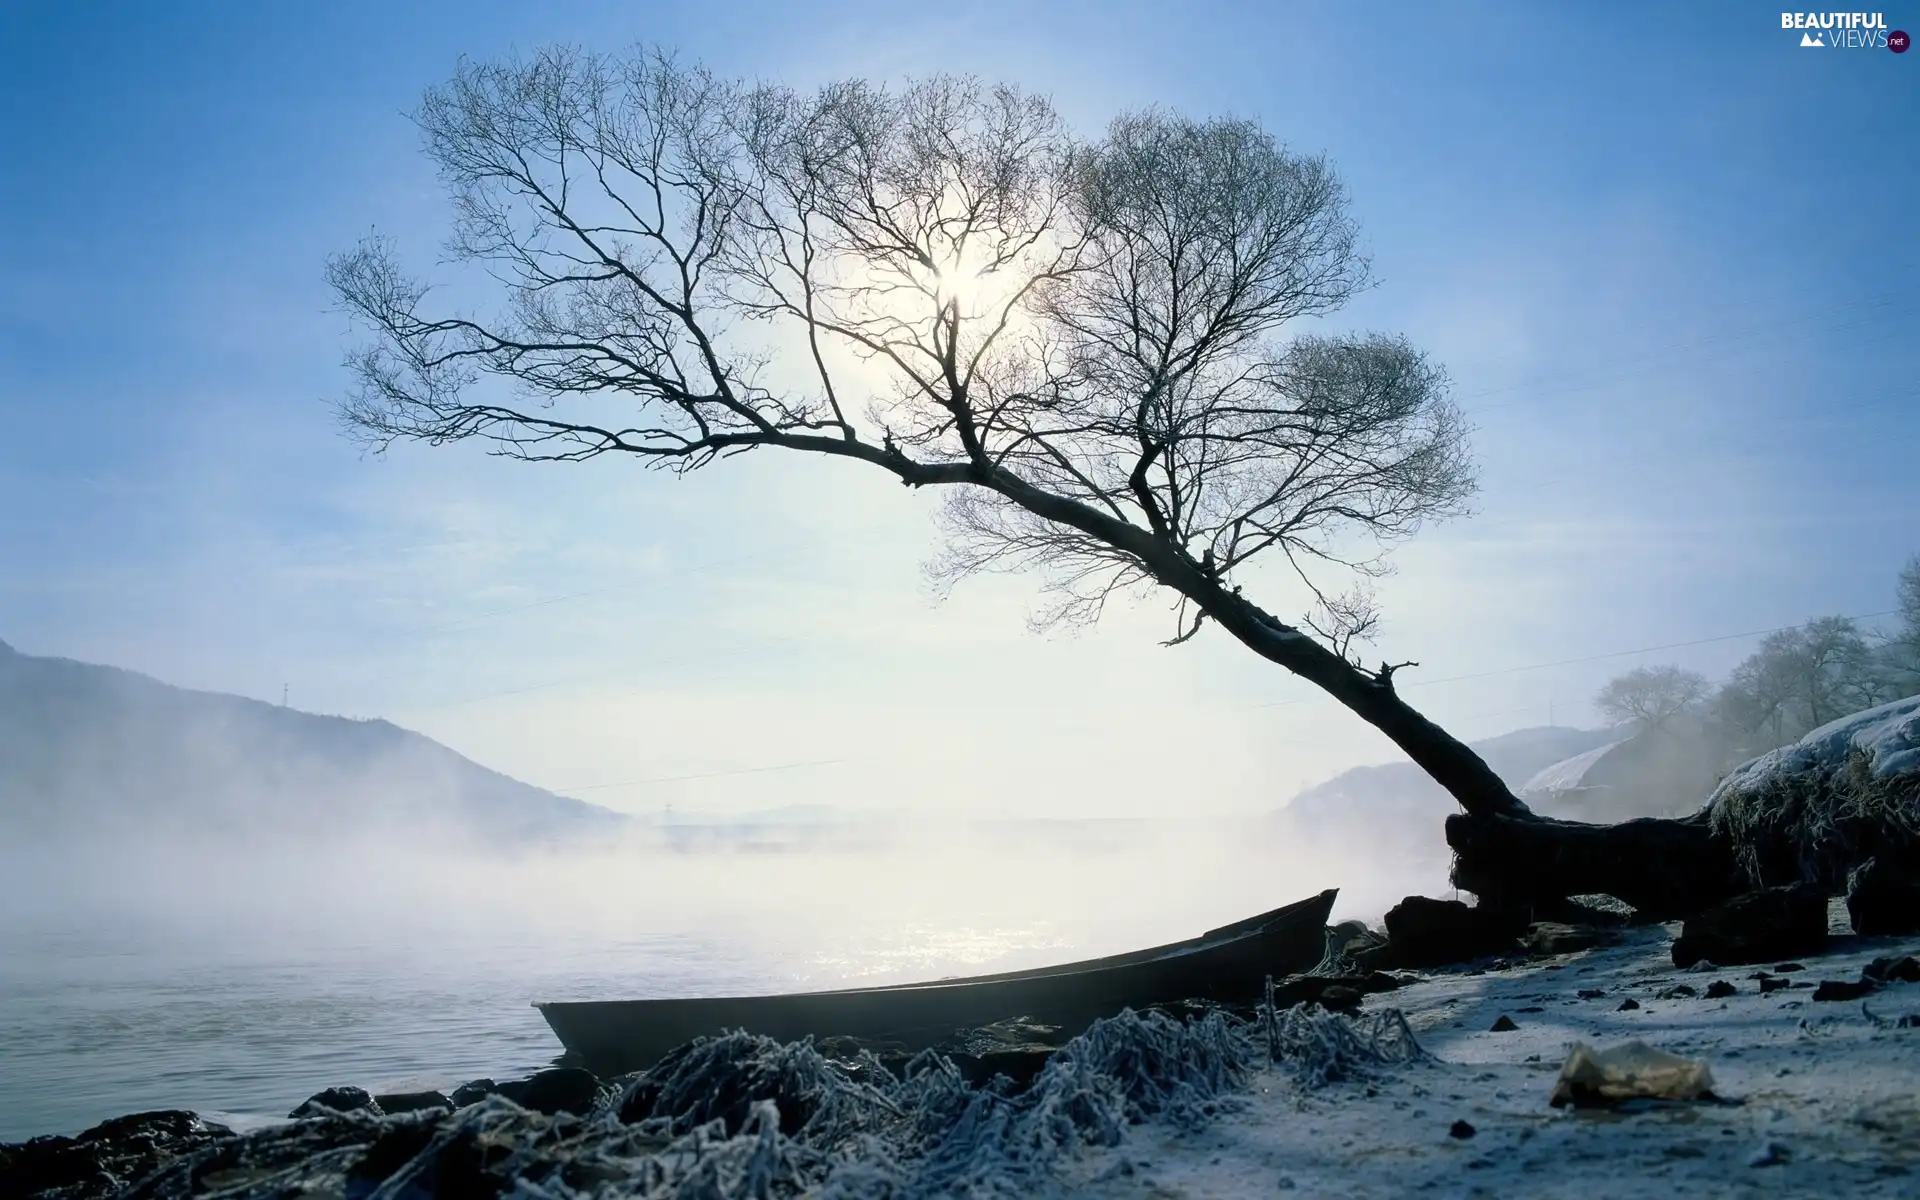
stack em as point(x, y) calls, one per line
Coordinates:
point(1883, 898)
point(106, 1158)
point(555, 1090)
point(1423, 932)
point(337, 1100)
point(1762, 926)
point(400, 1102)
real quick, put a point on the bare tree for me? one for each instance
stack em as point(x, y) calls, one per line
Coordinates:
point(1091, 343)
point(1907, 596)
point(1801, 678)
point(1900, 651)
point(1650, 697)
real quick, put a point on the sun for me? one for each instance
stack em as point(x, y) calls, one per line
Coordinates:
point(966, 281)
point(954, 282)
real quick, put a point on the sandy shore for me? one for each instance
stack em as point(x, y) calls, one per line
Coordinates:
point(1825, 1103)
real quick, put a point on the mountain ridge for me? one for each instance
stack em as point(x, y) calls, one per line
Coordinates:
point(1404, 789)
point(84, 743)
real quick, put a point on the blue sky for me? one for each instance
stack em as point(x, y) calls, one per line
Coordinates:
point(1667, 255)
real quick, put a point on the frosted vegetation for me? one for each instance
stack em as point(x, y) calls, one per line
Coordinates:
point(741, 1116)
point(1843, 793)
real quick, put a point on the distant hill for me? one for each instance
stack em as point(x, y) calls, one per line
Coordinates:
point(86, 747)
point(1398, 807)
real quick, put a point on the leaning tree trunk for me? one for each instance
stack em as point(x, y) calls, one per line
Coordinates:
point(1504, 852)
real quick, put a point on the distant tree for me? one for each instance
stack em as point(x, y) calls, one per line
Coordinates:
point(1900, 653)
point(1081, 340)
point(1650, 697)
point(1801, 678)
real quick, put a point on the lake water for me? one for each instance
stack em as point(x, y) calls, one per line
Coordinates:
point(242, 984)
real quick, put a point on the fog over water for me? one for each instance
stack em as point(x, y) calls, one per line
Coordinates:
point(241, 975)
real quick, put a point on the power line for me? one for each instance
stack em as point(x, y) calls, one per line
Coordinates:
point(695, 569)
point(1514, 670)
point(1873, 301)
point(1567, 662)
point(600, 787)
point(755, 558)
point(741, 560)
point(1884, 301)
point(1542, 387)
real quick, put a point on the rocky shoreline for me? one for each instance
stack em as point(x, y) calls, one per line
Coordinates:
point(1017, 1108)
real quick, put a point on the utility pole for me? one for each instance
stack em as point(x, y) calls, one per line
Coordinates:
point(283, 695)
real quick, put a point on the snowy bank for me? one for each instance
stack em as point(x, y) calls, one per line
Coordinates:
point(1823, 1100)
point(1845, 793)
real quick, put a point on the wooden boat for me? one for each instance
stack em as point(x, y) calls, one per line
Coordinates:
point(1228, 964)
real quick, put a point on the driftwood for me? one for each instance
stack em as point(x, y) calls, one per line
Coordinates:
point(1817, 812)
point(1664, 868)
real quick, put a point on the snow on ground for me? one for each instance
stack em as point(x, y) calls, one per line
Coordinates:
point(1827, 1104)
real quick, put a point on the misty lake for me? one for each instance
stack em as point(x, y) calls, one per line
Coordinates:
point(240, 984)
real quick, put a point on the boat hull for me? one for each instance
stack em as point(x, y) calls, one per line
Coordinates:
point(1227, 965)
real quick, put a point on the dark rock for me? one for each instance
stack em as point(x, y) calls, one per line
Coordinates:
point(1504, 1024)
point(1385, 981)
point(1770, 1154)
point(1531, 1008)
point(336, 1100)
point(1340, 999)
point(1019, 1065)
point(105, 1159)
point(1353, 940)
point(1902, 969)
point(1773, 983)
point(1431, 933)
point(1845, 989)
point(1720, 989)
point(393, 1149)
point(1592, 993)
point(1461, 1130)
point(1678, 991)
point(1308, 989)
point(1883, 897)
point(1551, 937)
point(1628, 1005)
point(400, 1102)
point(1788, 968)
point(1763, 926)
point(1016, 1049)
point(723, 1079)
point(571, 1090)
point(1601, 912)
point(473, 1092)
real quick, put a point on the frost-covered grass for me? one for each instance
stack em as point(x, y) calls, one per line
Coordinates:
point(744, 1116)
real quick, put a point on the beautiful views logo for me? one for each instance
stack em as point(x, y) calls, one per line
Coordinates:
point(1845, 31)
